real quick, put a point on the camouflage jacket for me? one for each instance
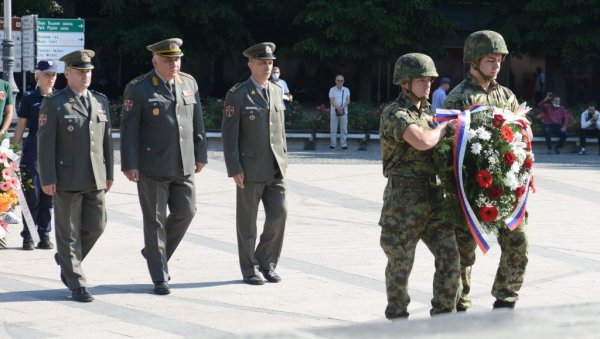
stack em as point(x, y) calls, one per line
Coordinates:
point(469, 92)
point(398, 156)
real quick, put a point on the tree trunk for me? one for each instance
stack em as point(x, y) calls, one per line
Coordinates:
point(364, 81)
point(556, 75)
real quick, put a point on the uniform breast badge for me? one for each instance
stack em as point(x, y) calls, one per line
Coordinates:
point(252, 117)
point(70, 128)
point(155, 111)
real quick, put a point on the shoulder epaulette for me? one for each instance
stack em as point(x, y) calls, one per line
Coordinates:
point(139, 79)
point(99, 93)
point(236, 87)
point(54, 94)
point(186, 75)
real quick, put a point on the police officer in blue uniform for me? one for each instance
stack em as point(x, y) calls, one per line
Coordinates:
point(38, 202)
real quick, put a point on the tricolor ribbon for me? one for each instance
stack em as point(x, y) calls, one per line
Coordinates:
point(482, 238)
point(5, 148)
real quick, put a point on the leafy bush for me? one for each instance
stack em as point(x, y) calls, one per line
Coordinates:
point(213, 112)
point(115, 111)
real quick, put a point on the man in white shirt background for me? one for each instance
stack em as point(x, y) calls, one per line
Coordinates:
point(590, 126)
point(339, 98)
point(276, 79)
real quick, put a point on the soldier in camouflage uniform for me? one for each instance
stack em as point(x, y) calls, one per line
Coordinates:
point(484, 51)
point(410, 200)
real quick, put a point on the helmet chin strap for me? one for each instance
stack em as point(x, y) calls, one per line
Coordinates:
point(408, 91)
point(475, 66)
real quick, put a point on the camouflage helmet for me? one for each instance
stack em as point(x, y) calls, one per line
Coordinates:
point(413, 65)
point(482, 43)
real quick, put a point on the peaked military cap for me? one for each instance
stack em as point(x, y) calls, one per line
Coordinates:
point(264, 50)
point(167, 48)
point(46, 66)
point(81, 59)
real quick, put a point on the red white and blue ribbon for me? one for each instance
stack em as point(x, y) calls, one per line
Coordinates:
point(482, 238)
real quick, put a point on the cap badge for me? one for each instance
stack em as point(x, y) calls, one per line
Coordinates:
point(85, 57)
point(268, 50)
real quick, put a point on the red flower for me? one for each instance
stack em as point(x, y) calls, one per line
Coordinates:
point(528, 163)
point(495, 192)
point(484, 178)
point(507, 133)
point(488, 213)
point(498, 121)
point(509, 158)
point(520, 191)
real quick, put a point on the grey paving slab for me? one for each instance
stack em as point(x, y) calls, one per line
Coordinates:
point(332, 265)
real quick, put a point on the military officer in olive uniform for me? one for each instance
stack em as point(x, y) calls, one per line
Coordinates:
point(163, 143)
point(255, 152)
point(75, 157)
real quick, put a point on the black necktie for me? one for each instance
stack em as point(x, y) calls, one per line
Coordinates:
point(86, 103)
point(264, 93)
point(171, 87)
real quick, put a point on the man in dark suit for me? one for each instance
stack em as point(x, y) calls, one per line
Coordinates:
point(256, 157)
point(163, 143)
point(75, 157)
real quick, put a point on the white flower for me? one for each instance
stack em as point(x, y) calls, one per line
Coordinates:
point(483, 134)
point(510, 181)
point(471, 133)
point(515, 167)
point(476, 148)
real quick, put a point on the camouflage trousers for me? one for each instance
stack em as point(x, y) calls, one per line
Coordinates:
point(511, 269)
point(409, 215)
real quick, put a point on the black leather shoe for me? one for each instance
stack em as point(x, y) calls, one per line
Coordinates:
point(161, 288)
point(45, 244)
point(460, 308)
point(271, 276)
point(344, 147)
point(82, 295)
point(503, 304)
point(28, 244)
point(254, 280)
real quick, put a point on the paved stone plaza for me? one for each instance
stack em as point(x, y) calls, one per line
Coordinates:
point(332, 266)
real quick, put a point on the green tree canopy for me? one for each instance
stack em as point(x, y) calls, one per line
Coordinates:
point(360, 30)
point(209, 28)
point(43, 8)
point(566, 30)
